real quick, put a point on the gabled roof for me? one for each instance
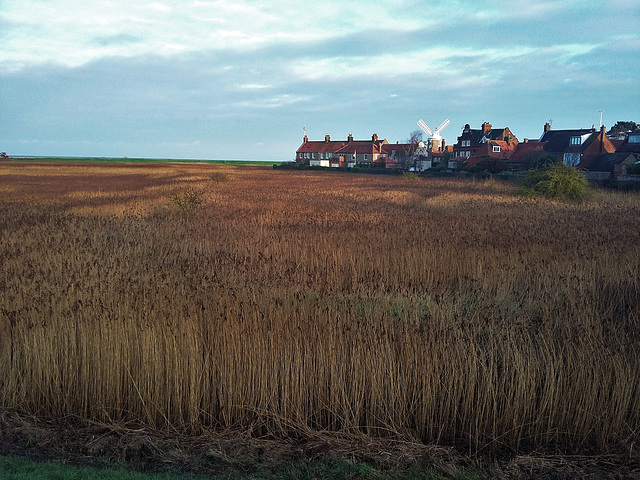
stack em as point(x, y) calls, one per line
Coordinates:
point(526, 151)
point(630, 147)
point(560, 140)
point(486, 133)
point(342, 147)
point(477, 135)
point(388, 148)
point(606, 162)
point(316, 146)
point(358, 146)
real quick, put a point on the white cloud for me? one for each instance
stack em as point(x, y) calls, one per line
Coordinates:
point(65, 31)
point(431, 62)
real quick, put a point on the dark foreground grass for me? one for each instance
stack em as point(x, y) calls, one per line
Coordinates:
point(18, 468)
point(72, 448)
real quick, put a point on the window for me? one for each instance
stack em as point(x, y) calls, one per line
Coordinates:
point(634, 138)
point(467, 153)
point(571, 159)
point(366, 157)
point(496, 148)
point(576, 140)
point(466, 143)
point(301, 155)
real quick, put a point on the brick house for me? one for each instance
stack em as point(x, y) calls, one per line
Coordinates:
point(525, 154)
point(610, 165)
point(579, 147)
point(349, 153)
point(476, 143)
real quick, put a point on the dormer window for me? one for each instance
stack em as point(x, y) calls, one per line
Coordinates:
point(576, 140)
point(496, 148)
point(634, 138)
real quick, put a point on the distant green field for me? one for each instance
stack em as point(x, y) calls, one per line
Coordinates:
point(139, 160)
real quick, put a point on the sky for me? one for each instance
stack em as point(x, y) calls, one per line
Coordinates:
point(242, 79)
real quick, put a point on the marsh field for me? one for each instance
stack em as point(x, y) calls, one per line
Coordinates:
point(195, 297)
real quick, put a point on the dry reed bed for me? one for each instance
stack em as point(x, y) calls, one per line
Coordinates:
point(446, 311)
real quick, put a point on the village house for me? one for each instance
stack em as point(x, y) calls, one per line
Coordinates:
point(631, 144)
point(474, 144)
point(398, 155)
point(588, 149)
point(579, 147)
point(349, 153)
point(610, 165)
point(525, 154)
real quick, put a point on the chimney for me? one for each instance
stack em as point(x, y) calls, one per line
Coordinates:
point(350, 138)
point(306, 139)
point(374, 137)
point(547, 127)
point(486, 128)
point(327, 138)
point(603, 132)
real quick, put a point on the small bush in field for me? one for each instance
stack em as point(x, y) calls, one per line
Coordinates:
point(218, 177)
point(187, 200)
point(557, 181)
point(411, 175)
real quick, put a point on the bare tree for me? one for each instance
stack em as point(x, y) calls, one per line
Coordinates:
point(408, 156)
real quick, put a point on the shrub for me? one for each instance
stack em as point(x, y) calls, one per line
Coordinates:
point(218, 177)
point(556, 181)
point(187, 200)
point(410, 175)
point(491, 165)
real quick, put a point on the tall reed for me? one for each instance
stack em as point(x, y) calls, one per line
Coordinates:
point(433, 310)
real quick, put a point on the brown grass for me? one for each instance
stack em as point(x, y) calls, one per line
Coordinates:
point(444, 311)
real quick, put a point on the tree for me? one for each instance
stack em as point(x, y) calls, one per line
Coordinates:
point(620, 131)
point(407, 158)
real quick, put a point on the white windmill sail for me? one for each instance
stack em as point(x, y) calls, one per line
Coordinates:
point(433, 134)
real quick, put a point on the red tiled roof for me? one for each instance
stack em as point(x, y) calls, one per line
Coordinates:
point(527, 151)
point(343, 147)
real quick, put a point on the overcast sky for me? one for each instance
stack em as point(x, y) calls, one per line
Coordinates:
point(239, 79)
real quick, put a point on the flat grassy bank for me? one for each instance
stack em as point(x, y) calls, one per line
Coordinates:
point(194, 298)
point(133, 160)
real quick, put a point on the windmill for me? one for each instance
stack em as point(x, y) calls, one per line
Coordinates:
point(434, 136)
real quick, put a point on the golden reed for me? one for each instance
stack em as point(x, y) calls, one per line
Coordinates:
point(439, 310)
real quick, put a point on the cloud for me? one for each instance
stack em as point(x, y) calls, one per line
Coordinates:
point(150, 77)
